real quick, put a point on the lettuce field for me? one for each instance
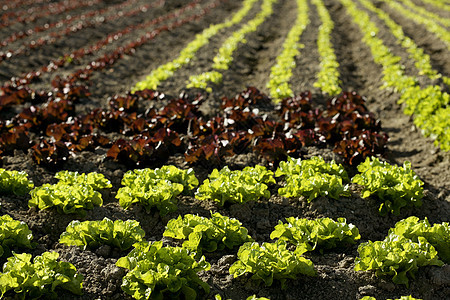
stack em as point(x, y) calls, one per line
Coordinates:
point(219, 149)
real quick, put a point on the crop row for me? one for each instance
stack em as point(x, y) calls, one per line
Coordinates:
point(167, 70)
point(439, 4)
point(281, 72)
point(34, 13)
point(69, 29)
point(418, 9)
point(162, 271)
point(64, 21)
point(422, 60)
point(429, 105)
point(224, 55)
point(394, 187)
point(15, 88)
point(414, 243)
point(8, 5)
point(328, 77)
point(432, 26)
point(180, 127)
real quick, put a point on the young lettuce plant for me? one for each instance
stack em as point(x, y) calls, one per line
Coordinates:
point(13, 234)
point(401, 298)
point(323, 233)
point(312, 178)
point(72, 194)
point(396, 257)
point(437, 235)
point(15, 182)
point(92, 234)
point(209, 234)
point(271, 261)
point(40, 278)
point(252, 297)
point(225, 185)
point(67, 198)
point(395, 186)
point(201, 81)
point(156, 188)
point(159, 272)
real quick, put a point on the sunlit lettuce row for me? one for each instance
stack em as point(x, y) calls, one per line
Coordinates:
point(167, 70)
point(162, 271)
point(281, 72)
point(401, 298)
point(328, 77)
point(421, 60)
point(225, 56)
point(421, 10)
point(201, 81)
point(429, 105)
point(433, 27)
point(225, 53)
point(394, 187)
point(439, 3)
point(268, 262)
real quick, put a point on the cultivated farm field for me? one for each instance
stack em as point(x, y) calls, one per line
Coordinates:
point(308, 92)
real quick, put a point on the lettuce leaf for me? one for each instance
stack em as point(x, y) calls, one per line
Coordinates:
point(437, 235)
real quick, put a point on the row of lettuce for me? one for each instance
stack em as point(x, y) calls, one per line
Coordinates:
point(428, 104)
point(151, 265)
point(224, 57)
point(159, 270)
point(393, 186)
